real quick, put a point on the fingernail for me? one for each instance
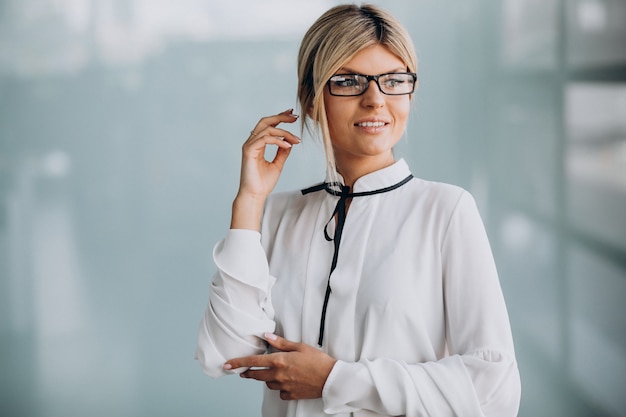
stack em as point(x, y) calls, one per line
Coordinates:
point(270, 336)
point(227, 366)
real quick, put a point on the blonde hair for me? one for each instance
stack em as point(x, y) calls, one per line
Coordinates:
point(330, 42)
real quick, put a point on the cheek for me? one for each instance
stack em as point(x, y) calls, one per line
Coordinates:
point(332, 123)
point(402, 114)
point(337, 118)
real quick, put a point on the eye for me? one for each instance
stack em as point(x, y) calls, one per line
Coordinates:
point(395, 81)
point(344, 81)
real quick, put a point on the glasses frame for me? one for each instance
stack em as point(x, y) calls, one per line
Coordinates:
point(370, 78)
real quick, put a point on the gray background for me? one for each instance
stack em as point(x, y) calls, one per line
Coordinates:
point(121, 123)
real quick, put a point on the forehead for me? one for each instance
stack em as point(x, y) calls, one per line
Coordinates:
point(375, 59)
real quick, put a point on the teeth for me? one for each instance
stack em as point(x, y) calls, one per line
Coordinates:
point(372, 124)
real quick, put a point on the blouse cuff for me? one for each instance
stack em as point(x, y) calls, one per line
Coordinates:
point(345, 383)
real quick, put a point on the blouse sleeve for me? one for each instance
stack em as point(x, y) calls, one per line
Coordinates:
point(479, 377)
point(239, 311)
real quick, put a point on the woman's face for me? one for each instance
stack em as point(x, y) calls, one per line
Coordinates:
point(364, 129)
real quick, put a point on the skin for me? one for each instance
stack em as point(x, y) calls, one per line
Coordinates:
point(298, 370)
point(362, 150)
point(259, 177)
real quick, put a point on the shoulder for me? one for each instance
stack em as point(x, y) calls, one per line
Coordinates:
point(454, 207)
point(288, 211)
point(437, 204)
point(287, 204)
point(281, 201)
point(438, 195)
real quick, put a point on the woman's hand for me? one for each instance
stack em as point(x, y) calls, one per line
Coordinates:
point(297, 370)
point(258, 175)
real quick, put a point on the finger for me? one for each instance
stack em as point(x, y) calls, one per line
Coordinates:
point(264, 375)
point(257, 147)
point(261, 361)
point(273, 385)
point(281, 157)
point(288, 136)
point(282, 344)
point(274, 131)
point(279, 141)
point(286, 116)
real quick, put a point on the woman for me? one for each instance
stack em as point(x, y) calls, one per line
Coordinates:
point(375, 292)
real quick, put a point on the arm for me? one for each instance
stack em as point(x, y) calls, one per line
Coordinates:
point(479, 377)
point(239, 311)
point(258, 176)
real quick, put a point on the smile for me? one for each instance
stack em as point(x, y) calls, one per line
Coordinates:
point(371, 124)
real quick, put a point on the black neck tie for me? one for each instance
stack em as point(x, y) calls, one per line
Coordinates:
point(343, 192)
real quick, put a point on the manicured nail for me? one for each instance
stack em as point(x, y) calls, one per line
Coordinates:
point(287, 144)
point(227, 367)
point(270, 336)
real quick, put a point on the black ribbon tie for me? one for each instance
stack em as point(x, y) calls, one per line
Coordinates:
point(343, 192)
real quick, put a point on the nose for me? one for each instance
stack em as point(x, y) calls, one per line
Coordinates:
point(373, 97)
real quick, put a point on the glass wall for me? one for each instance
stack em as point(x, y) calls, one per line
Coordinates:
point(558, 170)
point(121, 123)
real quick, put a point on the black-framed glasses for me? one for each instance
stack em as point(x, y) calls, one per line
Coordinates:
point(393, 83)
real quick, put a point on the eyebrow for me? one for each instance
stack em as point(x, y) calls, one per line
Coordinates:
point(350, 71)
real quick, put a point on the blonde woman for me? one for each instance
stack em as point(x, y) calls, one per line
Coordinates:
point(371, 294)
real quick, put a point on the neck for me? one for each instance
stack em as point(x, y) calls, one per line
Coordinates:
point(353, 169)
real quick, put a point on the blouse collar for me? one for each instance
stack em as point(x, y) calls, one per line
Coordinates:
point(382, 178)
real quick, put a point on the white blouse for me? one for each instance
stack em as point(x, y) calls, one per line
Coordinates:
point(416, 316)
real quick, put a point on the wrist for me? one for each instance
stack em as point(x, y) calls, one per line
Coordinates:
point(247, 211)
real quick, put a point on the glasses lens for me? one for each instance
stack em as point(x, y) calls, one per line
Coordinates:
point(396, 84)
point(347, 85)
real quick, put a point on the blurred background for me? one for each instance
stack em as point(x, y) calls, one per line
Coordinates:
point(121, 123)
